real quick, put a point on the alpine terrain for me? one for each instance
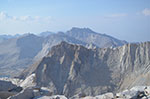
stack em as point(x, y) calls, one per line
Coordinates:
point(74, 71)
point(20, 51)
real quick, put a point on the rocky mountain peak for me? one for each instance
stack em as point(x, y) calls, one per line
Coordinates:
point(98, 39)
point(64, 49)
point(81, 30)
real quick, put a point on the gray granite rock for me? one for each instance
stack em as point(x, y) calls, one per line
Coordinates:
point(6, 85)
point(73, 69)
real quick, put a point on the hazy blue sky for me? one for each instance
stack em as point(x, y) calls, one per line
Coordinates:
point(124, 19)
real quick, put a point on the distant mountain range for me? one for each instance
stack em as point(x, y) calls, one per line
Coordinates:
point(19, 51)
point(91, 37)
point(6, 37)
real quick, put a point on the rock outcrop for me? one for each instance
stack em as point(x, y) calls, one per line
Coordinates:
point(8, 89)
point(6, 85)
point(31, 92)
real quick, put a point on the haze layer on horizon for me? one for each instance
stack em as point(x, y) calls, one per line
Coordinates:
point(124, 19)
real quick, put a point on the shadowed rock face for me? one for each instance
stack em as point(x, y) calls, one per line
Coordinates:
point(29, 46)
point(65, 64)
point(73, 69)
point(17, 53)
point(6, 85)
point(8, 89)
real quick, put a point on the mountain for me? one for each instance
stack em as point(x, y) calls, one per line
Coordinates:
point(20, 51)
point(6, 37)
point(46, 33)
point(73, 69)
point(82, 36)
point(89, 36)
point(17, 53)
point(55, 39)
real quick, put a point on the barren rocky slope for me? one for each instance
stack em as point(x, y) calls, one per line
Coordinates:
point(73, 69)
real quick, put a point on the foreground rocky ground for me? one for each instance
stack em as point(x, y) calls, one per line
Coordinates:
point(27, 90)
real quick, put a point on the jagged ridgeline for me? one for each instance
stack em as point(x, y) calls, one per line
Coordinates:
point(20, 51)
point(73, 69)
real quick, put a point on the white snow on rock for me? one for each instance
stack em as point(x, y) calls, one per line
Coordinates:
point(28, 82)
point(140, 92)
point(103, 96)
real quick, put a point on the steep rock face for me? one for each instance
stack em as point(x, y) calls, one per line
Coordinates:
point(129, 64)
point(65, 69)
point(73, 69)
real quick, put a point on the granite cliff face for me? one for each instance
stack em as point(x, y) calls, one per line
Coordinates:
point(73, 69)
